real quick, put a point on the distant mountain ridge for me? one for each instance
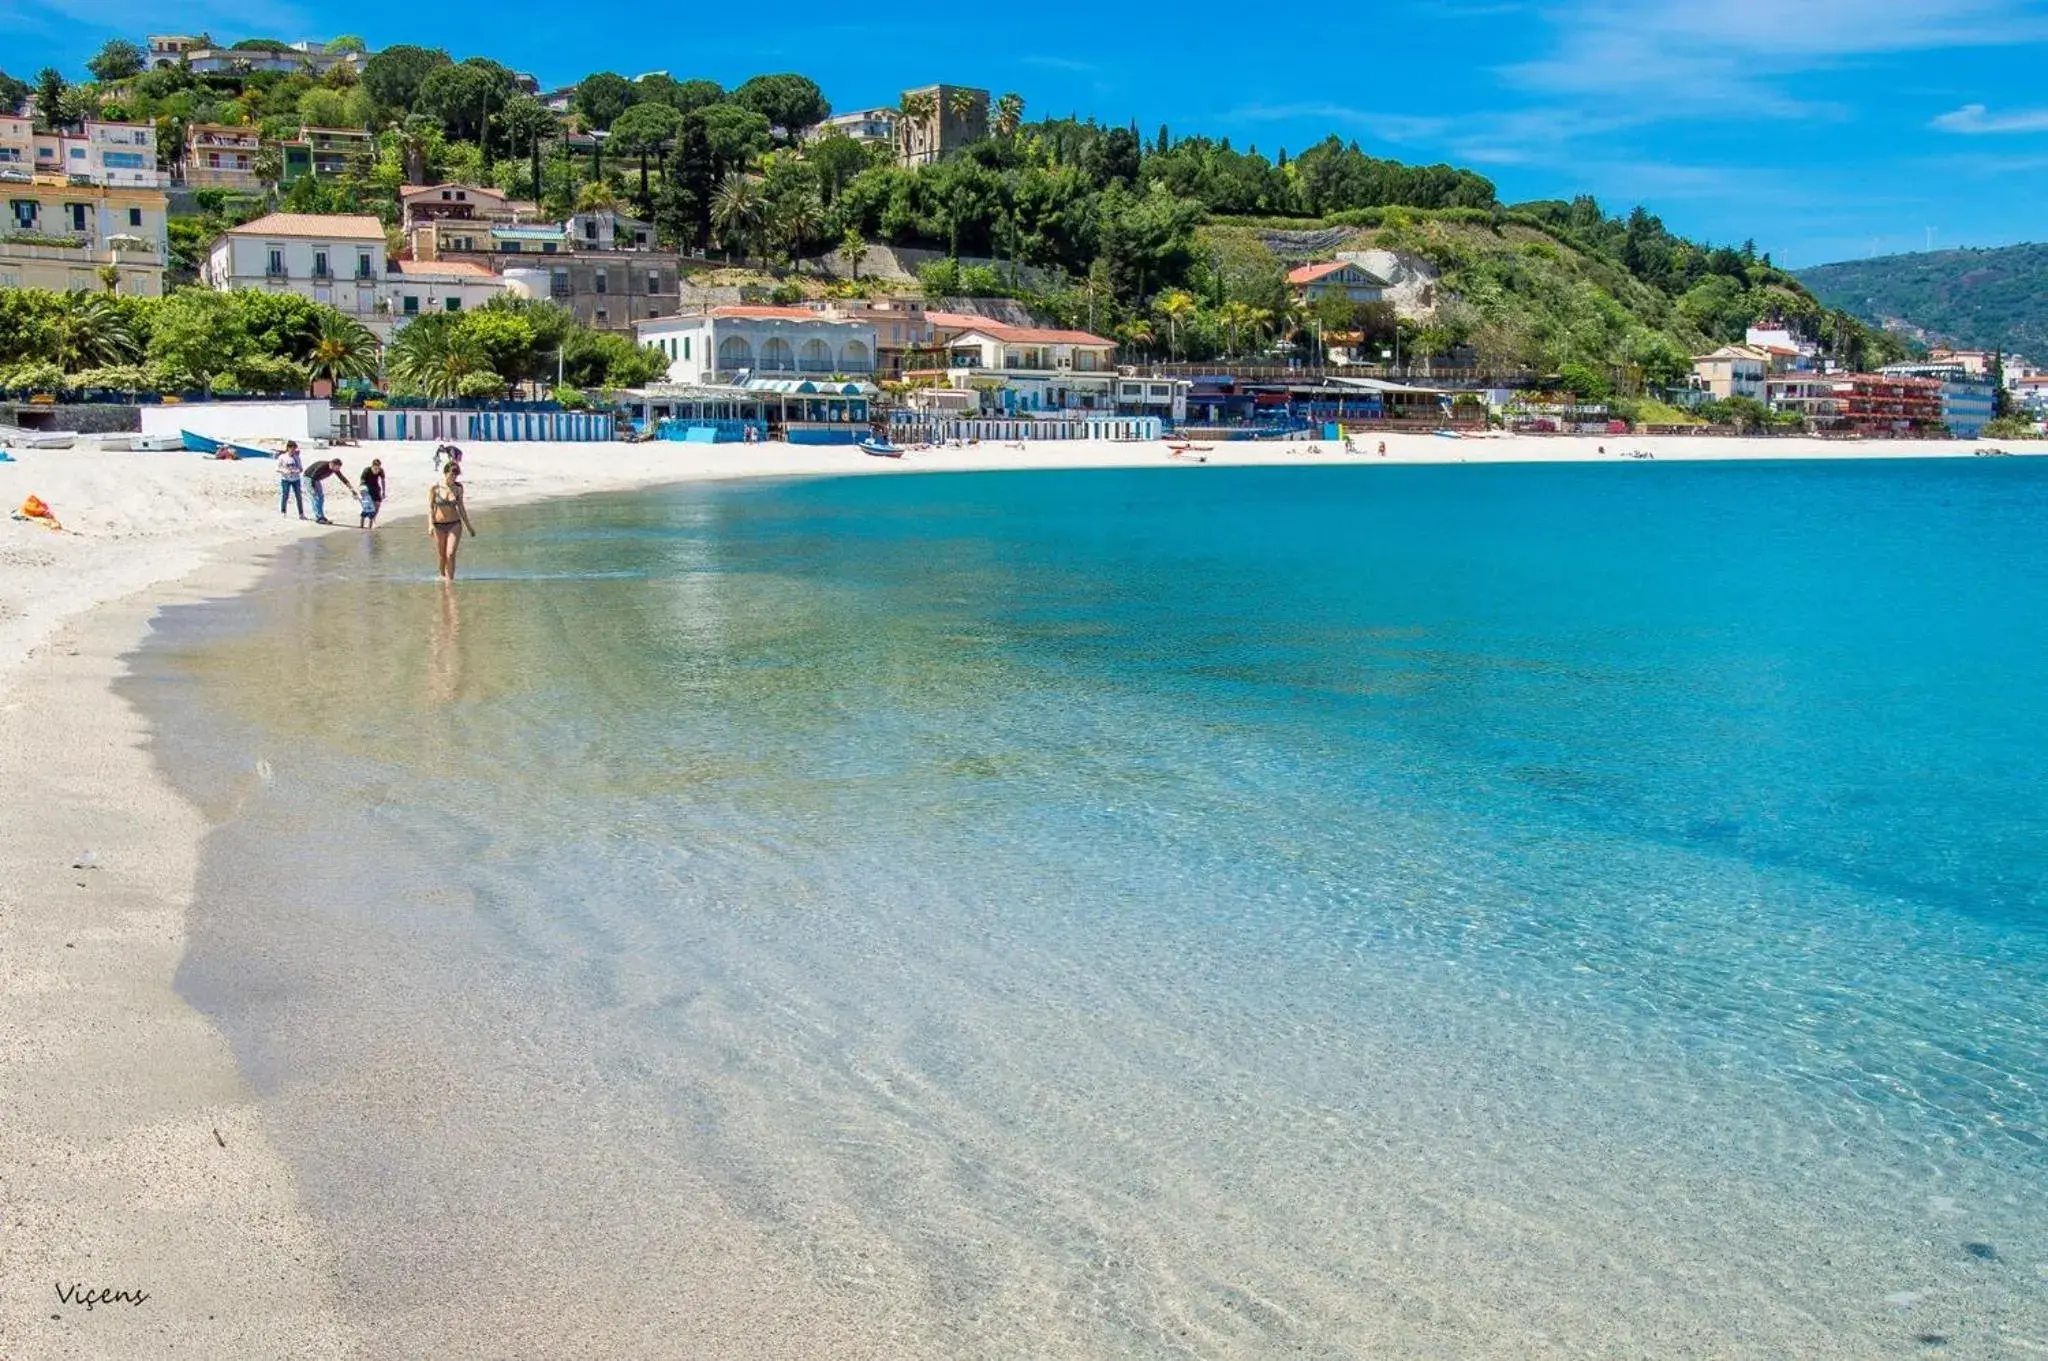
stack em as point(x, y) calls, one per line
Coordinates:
point(1995, 298)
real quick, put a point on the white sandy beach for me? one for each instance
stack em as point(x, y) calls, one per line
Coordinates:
point(135, 1160)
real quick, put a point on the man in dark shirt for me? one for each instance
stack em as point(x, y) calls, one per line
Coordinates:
point(372, 478)
point(316, 477)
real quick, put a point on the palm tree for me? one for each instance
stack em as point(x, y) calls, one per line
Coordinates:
point(1137, 332)
point(916, 111)
point(434, 354)
point(963, 105)
point(1235, 314)
point(738, 209)
point(1176, 305)
point(853, 249)
point(798, 218)
point(1009, 115)
point(88, 331)
point(342, 348)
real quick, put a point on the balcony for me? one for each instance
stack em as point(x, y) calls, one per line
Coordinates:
point(276, 272)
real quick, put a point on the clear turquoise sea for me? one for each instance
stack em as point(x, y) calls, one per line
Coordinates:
point(1398, 912)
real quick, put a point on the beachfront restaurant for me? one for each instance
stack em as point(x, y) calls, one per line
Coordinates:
point(800, 410)
point(695, 413)
point(816, 410)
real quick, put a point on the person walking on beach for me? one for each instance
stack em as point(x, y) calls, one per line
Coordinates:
point(447, 518)
point(372, 479)
point(289, 474)
point(318, 475)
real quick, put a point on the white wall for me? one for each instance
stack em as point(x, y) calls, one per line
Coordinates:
point(243, 262)
point(302, 421)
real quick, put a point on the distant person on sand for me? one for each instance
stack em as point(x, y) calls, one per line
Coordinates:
point(289, 474)
point(445, 454)
point(447, 517)
point(318, 475)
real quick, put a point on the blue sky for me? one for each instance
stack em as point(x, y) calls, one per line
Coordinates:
point(1824, 129)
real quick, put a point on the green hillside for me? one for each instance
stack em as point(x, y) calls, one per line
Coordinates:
point(1982, 299)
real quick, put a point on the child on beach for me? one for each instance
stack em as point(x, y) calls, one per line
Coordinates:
point(372, 480)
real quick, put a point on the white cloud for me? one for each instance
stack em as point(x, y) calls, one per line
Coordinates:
point(1976, 119)
point(1686, 58)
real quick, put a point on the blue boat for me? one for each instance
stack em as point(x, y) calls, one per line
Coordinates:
point(880, 448)
point(201, 444)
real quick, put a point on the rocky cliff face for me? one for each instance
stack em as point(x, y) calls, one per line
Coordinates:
point(1413, 280)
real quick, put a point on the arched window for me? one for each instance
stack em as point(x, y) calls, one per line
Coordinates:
point(853, 357)
point(776, 356)
point(817, 356)
point(735, 353)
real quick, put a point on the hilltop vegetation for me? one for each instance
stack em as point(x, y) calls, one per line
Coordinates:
point(1981, 299)
point(1164, 242)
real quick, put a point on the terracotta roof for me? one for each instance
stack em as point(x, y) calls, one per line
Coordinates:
point(1031, 335)
point(1309, 273)
point(408, 190)
point(334, 227)
point(425, 267)
point(953, 321)
point(749, 312)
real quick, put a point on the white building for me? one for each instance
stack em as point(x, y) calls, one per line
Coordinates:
point(117, 155)
point(418, 287)
point(870, 127)
point(727, 344)
point(1789, 353)
point(1028, 368)
point(338, 260)
point(609, 229)
point(1732, 371)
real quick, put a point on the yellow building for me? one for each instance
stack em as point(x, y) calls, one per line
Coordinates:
point(62, 235)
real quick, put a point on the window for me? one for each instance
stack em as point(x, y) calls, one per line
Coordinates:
point(122, 160)
point(639, 238)
point(603, 315)
point(653, 281)
point(275, 264)
point(319, 264)
point(686, 347)
point(363, 266)
point(135, 217)
point(590, 229)
point(601, 281)
point(24, 211)
point(454, 304)
point(1159, 389)
point(78, 153)
point(77, 211)
point(412, 305)
point(547, 248)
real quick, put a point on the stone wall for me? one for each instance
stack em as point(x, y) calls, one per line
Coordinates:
point(88, 418)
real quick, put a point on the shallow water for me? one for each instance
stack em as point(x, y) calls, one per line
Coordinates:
point(1452, 911)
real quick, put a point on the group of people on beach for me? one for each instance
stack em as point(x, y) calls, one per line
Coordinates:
point(447, 509)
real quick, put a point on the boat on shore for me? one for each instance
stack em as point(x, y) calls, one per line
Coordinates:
point(132, 443)
point(219, 448)
point(880, 448)
point(15, 438)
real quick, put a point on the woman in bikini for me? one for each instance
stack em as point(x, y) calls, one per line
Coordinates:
point(447, 517)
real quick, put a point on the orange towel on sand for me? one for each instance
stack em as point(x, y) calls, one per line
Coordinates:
point(35, 508)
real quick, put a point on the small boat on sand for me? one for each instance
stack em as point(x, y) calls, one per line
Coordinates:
point(15, 438)
point(220, 448)
point(152, 444)
point(881, 448)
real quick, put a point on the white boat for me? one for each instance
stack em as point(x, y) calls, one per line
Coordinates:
point(38, 439)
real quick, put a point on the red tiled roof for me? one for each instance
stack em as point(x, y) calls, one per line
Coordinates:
point(1308, 274)
point(1028, 335)
point(334, 227)
point(424, 267)
point(408, 190)
point(752, 312)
